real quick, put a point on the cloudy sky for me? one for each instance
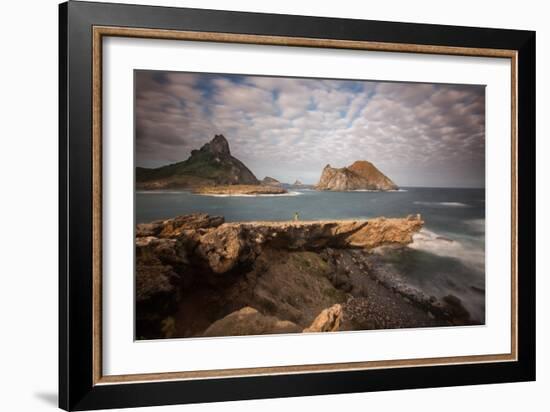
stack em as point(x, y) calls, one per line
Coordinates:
point(288, 128)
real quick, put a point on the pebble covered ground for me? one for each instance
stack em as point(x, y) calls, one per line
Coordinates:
point(370, 304)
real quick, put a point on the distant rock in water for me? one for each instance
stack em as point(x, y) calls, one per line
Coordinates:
point(269, 181)
point(361, 175)
point(298, 183)
point(212, 165)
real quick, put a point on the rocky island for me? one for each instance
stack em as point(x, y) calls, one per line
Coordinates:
point(361, 175)
point(211, 165)
point(199, 276)
point(270, 181)
point(212, 170)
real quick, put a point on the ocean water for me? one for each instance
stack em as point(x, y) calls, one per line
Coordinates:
point(446, 257)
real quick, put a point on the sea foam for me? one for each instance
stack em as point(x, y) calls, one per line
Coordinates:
point(431, 242)
point(445, 204)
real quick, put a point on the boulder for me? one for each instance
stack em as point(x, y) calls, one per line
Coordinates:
point(221, 249)
point(328, 320)
point(248, 321)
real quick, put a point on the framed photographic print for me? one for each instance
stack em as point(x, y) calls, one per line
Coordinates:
point(257, 205)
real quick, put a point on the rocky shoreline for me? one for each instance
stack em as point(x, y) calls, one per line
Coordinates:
point(233, 190)
point(199, 276)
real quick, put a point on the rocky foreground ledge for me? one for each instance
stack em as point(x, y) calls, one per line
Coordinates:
point(199, 276)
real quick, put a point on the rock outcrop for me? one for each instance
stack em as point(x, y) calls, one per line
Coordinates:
point(270, 181)
point(211, 165)
point(178, 226)
point(159, 276)
point(204, 269)
point(298, 183)
point(361, 175)
point(328, 320)
point(248, 321)
point(224, 246)
point(234, 190)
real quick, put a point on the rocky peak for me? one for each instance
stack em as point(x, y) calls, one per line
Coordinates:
point(361, 175)
point(218, 145)
point(363, 167)
point(211, 165)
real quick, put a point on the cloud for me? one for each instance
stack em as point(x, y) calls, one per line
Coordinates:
point(290, 128)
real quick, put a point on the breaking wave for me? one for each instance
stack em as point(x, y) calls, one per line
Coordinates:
point(469, 254)
point(445, 204)
point(477, 225)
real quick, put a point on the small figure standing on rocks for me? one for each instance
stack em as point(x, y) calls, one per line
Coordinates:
point(296, 216)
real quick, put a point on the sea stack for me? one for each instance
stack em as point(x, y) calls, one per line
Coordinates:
point(270, 181)
point(361, 175)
